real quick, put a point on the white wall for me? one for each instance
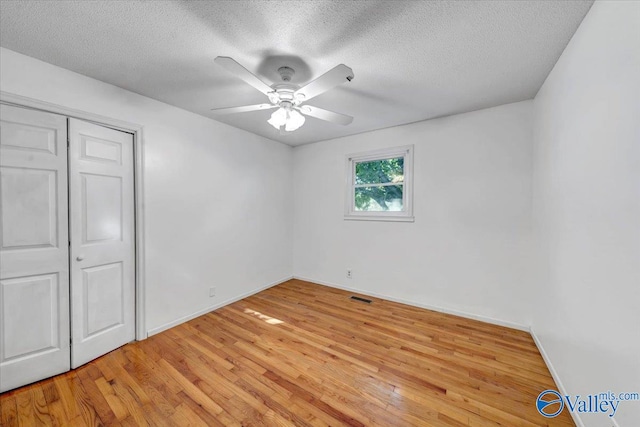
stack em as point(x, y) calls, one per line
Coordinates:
point(587, 209)
point(468, 249)
point(218, 199)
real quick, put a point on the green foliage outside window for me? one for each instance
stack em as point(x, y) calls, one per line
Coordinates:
point(371, 197)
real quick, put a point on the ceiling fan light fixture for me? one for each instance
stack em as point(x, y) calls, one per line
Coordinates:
point(278, 118)
point(290, 119)
point(295, 121)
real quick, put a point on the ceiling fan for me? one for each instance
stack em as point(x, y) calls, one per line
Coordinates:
point(287, 97)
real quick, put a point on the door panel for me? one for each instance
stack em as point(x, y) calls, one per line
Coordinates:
point(34, 258)
point(34, 301)
point(101, 209)
point(15, 135)
point(103, 285)
point(29, 196)
point(101, 216)
point(100, 150)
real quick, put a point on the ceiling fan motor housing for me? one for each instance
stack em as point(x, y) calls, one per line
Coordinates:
point(287, 105)
point(285, 93)
point(286, 73)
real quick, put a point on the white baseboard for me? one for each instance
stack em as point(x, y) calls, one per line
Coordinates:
point(556, 377)
point(454, 312)
point(198, 313)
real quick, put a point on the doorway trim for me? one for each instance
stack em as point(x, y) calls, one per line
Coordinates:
point(138, 152)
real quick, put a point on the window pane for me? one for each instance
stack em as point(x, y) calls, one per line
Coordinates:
point(382, 198)
point(380, 171)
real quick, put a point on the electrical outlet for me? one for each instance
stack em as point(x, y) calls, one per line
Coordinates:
point(349, 275)
point(212, 292)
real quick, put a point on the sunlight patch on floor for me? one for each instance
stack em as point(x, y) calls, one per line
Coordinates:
point(268, 319)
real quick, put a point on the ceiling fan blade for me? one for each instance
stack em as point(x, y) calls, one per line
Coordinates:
point(239, 71)
point(332, 78)
point(322, 114)
point(243, 109)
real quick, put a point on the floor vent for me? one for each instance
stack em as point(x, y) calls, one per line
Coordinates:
point(368, 301)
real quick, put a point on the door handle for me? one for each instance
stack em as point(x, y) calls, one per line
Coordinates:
point(79, 257)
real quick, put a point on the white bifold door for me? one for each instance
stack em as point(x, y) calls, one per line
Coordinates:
point(67, 272)
point(34, 251)
point(101, 227)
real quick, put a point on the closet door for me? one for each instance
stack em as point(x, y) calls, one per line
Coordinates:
point(101, 209)
point(34, 260)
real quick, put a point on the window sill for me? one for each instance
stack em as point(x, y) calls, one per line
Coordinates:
point(379, 218)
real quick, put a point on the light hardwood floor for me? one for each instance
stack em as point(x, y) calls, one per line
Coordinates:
point(303, 354)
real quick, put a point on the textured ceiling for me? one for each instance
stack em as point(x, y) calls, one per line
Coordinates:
point(412, 60)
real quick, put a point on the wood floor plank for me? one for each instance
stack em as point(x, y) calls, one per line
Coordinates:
point(88, 379)
point(113, 400)
point(84, 401)
point(301, 354)
point(8, 410)
point(54, 404)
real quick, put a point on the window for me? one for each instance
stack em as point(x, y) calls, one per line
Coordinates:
point(379, 185)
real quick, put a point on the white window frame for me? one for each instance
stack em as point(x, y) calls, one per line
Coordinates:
point(407, 192)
